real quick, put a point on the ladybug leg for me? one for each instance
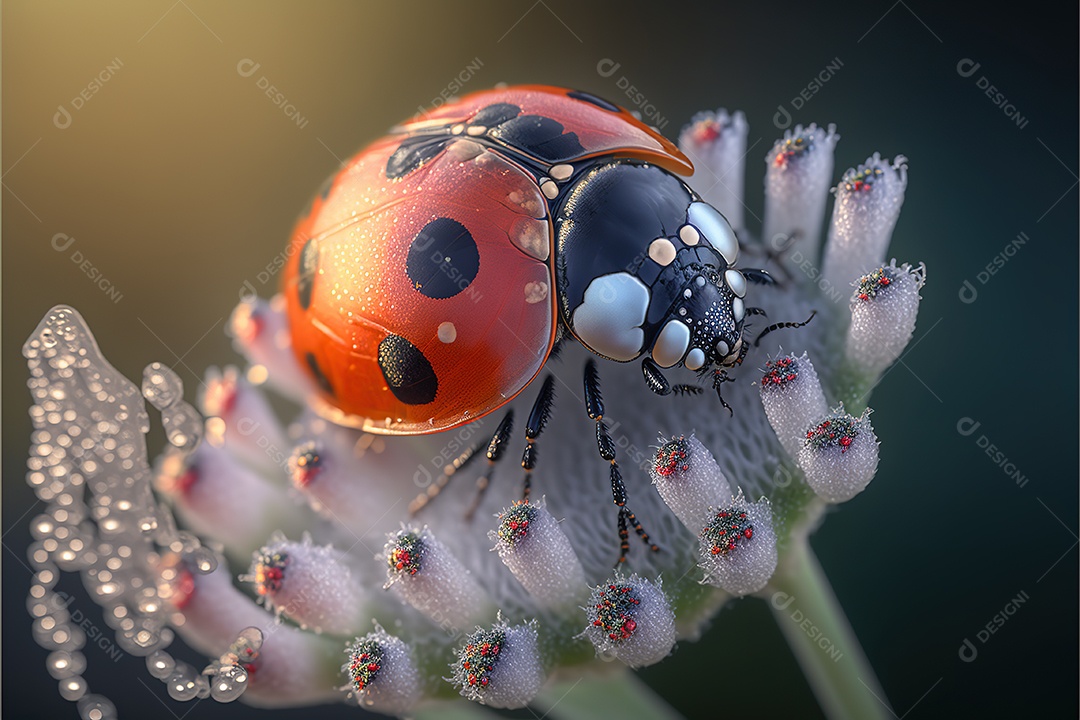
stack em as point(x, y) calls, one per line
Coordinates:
point(594, 406)
point(495, 449)
point(420, 501)
point(774, 254)
point(719, 378)
point(756, 311)
point(655, 380)
point(758, 277)
point(538, 418)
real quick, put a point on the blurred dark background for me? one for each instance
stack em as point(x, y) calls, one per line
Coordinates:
point(179, 179)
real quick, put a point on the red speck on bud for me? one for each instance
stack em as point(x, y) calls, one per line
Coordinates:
point(706, 132)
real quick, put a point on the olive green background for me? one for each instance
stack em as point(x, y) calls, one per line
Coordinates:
point(179, 179)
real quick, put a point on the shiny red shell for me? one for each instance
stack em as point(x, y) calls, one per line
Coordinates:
point(420, 286)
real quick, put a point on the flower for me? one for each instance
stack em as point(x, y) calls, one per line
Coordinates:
point(734, 500)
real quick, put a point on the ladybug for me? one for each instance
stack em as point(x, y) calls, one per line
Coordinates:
point(431, 278)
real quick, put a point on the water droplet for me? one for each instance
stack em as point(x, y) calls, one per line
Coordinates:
point(181, 684)
point(160, 664)
point(72, 688)
point(204, 560)
point(96, 707)
point(229, 684)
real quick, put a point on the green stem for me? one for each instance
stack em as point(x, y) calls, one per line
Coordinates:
point(618, 694)
point(821, 638)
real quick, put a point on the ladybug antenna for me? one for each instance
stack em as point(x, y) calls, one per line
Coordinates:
point(782, 325)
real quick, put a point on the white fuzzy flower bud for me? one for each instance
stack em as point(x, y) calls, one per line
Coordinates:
point(536, 550)
point(689, 480)
point(500, 666)
point(839, 455)
point(868, 202)
point(313, 585)
point(260, 333)
point(326, 477)
point(792, 396)
point(884, 308)
point(293, 667)
point(631, 619)
point(246, 424)
point(738, 546)
point(382, 674)
point(797, 180)
point(222, 499)
point(425, 574)
point(716, 143)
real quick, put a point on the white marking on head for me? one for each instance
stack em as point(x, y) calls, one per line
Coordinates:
point(447, 332)
point(477, 130)
point(672, 343)
point(738, 310)
point(561, 172)
point(716, 230)
point(687, 293)
point(736, 282)
point(662, 251)
point(608, 320)
point(722, 349)
point(695, 359)
point(689, 235)
point(699, 281)
point(458, 129)
point(536, 292)
point(550, 189)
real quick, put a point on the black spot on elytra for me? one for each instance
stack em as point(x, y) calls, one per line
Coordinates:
point(540, 137)
point(408, 373)
point(412, 153)
point(305, 273)
point(495, 114)
point(316, 372)
point(443, 259)
point(590, 98)
point(324, 191)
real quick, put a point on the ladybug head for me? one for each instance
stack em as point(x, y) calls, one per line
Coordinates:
point(705, 329)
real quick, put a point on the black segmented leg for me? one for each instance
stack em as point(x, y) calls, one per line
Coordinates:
point(495, 449)
point(758, 277)
point(655, 380)
point(782, 325)
point(719, 378)
point(538, 418)
point(594, 406)
point(493, 453)
point(756, 311)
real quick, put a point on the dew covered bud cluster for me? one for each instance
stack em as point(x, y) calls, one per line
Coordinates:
point(327, 588)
